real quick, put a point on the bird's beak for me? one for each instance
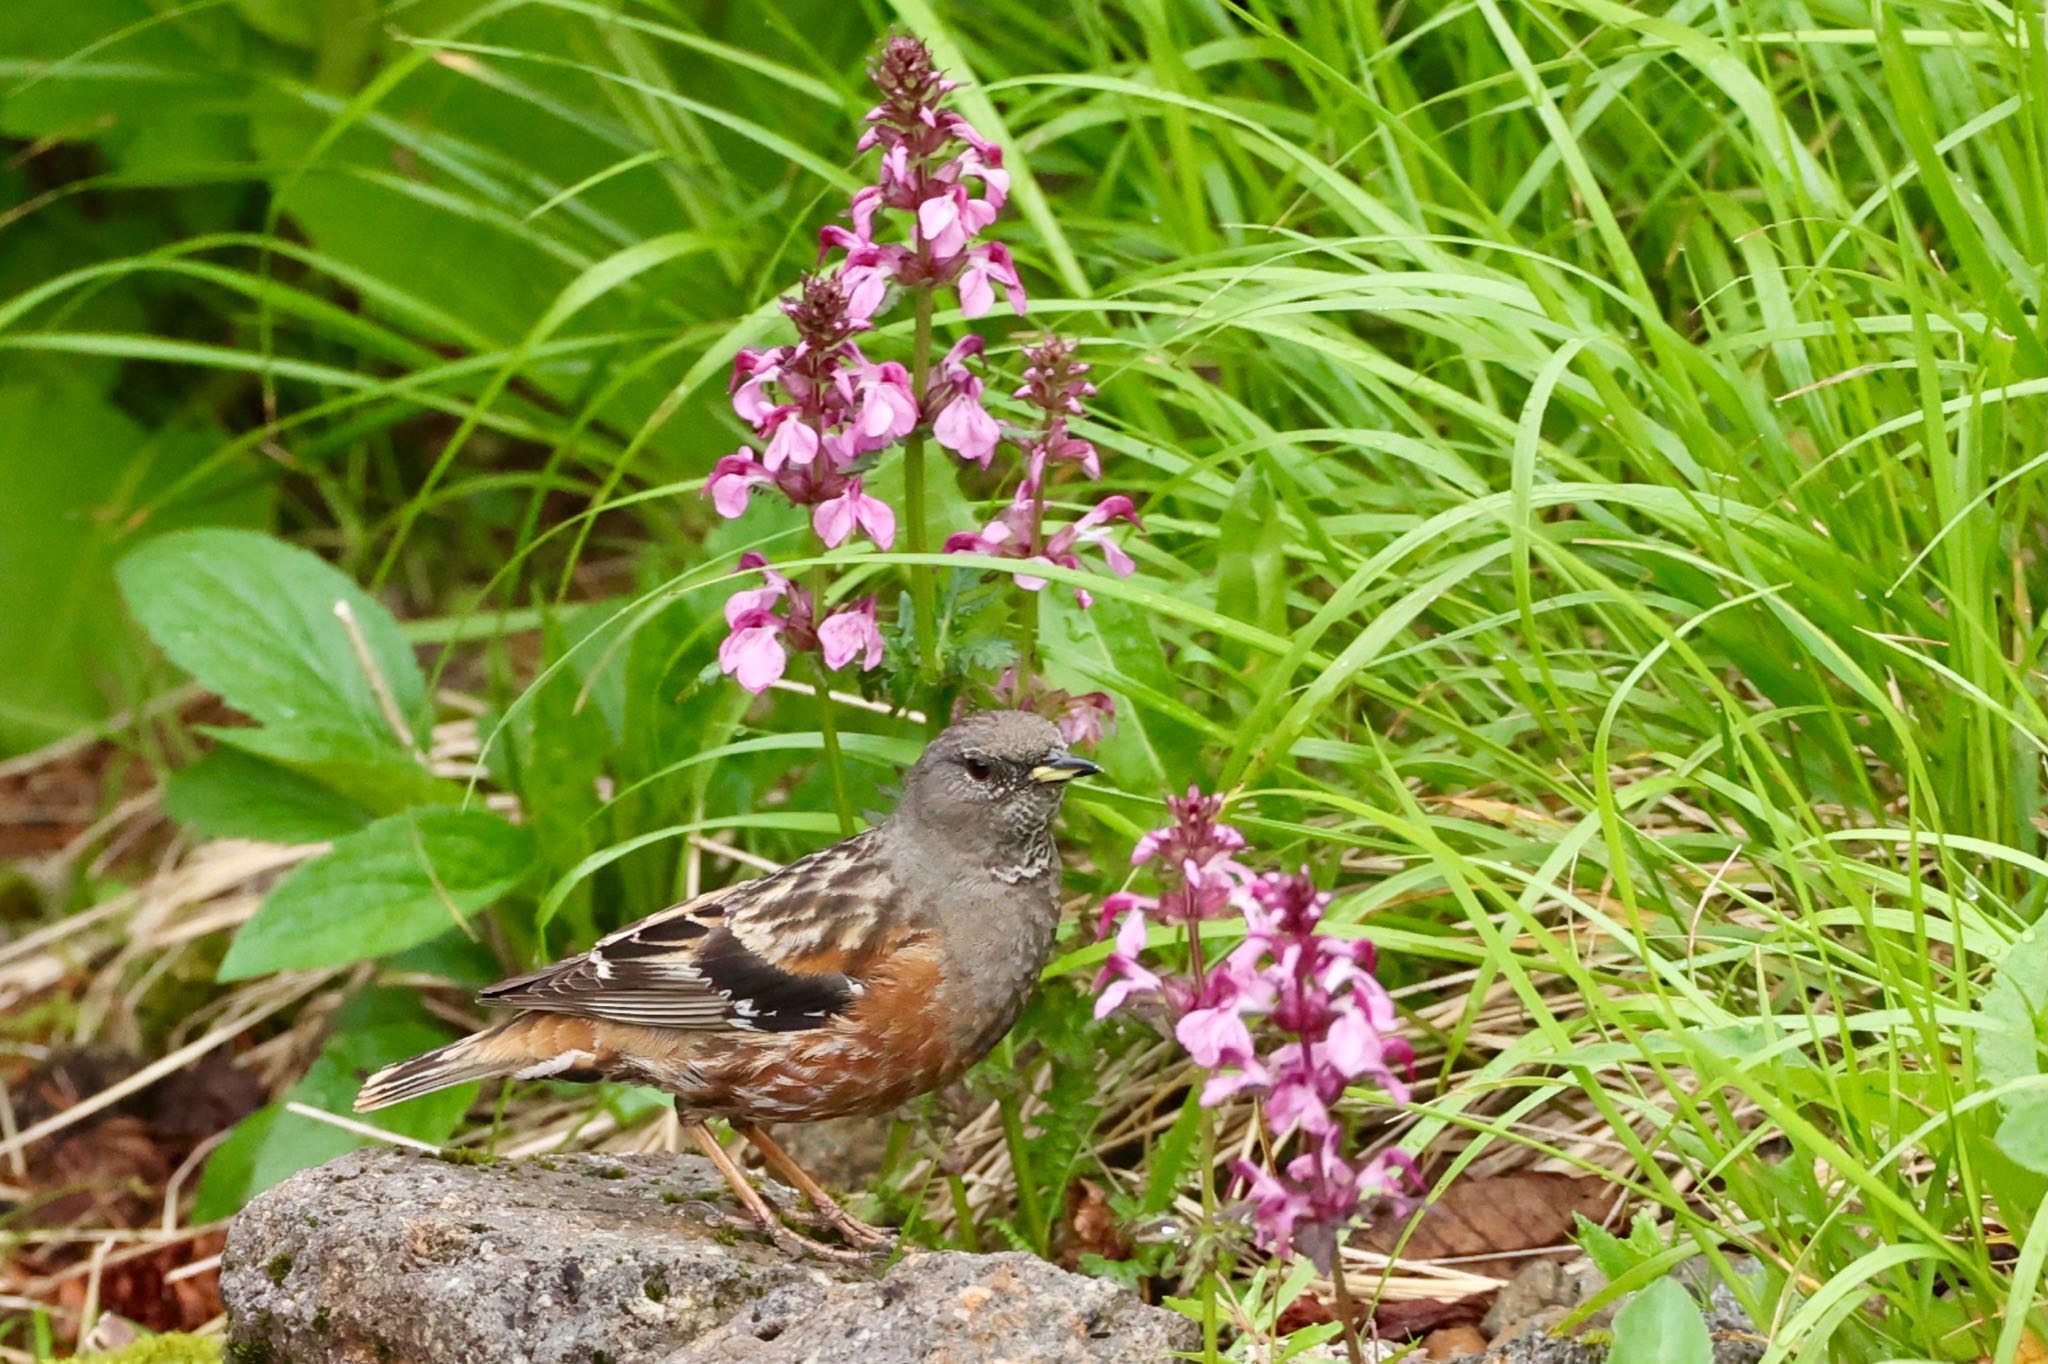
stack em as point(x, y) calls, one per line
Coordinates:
point(1064, 768)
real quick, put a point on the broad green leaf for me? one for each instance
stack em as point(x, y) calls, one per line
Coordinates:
point(373, 1030)
point(231, 794)
point(2013, 1045)
point(380, 776)
point(255, 619)
point(1662, 1323)
point(390, 886)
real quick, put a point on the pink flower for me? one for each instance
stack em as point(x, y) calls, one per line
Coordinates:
point(1123, 974)
point(852, 633)
point(794, 442)
point(966, 428)
point(732, 479)
point(888, 409)
point(985, 266)
point(835, 518)
point(1087, 718)
point(753, 652)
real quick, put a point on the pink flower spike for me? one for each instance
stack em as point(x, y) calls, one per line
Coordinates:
point(966, 428)
point(852, 632)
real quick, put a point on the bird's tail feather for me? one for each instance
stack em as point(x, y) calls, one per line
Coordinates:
point(472, 1058)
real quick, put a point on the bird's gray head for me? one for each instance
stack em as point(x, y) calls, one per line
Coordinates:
point(994, 778)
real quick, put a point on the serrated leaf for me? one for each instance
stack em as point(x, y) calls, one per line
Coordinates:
point(231, 794)
point(2011, 1044)
point(1612, 1255)
point(374, 1029)
point(1663, 1323)
point(390, 886)
point(253, 619)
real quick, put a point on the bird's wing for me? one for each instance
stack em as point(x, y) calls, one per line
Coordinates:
point(776, 954)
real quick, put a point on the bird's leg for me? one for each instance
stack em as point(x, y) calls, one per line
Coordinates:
point(855, 1231)
point(757, 1207)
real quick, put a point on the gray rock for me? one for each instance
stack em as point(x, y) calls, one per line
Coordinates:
point(982, 1308)
point(385, 1257)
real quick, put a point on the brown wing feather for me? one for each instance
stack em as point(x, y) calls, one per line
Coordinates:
point(759, 956)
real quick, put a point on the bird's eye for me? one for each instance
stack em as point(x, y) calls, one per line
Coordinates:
point(981, 769)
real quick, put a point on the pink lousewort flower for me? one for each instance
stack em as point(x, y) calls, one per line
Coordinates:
point(835, 518)
point(818, 406)
point(767, 623)
point(1309, 1207)
point(1082, 718)
point(1016, 534)
point(1291, 1014)
point(946, 178)
point(1054, 383)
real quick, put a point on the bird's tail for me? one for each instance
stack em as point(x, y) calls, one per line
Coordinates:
point(481, 1056)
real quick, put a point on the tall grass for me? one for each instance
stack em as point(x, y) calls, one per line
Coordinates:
point(1593, 464)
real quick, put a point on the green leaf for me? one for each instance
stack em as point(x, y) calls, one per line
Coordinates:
point(390, 886)
point(1662, 1323)
point(1612, 1255)
point(231, 794)
point(378, 775)
point(2011, 1045)
point(373, 1030)
point(255, 619)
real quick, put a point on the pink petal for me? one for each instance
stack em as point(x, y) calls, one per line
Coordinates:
point(833, 520)
point(754, 657)
point(794, 442)
point(851, 632)
point(966, 428)
point(877, 518)
point(976, 297)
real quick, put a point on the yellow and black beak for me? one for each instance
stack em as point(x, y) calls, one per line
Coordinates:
point(1064, 768)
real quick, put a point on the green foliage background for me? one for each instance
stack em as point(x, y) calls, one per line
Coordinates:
point(1592, 456)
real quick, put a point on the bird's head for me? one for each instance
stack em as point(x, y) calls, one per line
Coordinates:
point(995, 774)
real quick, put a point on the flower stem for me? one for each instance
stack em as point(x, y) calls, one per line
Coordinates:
point(1027, 637)
point(828, 724)
point(921, 586)
point(1343, 1296)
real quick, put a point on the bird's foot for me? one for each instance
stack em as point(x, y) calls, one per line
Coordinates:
point(855, 1232)
point(795, 1243)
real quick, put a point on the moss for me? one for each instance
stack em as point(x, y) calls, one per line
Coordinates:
point(250, 1350)
point(657, 1289)
point(456, 1155)
point(613, 1172)
point(277, 1267)
point(322, 1320)
point(671, 1197)
point(600, 1357)
point(548, 1163)
point(171, 1349)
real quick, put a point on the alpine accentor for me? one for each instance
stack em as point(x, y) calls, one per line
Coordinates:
point(852, 979)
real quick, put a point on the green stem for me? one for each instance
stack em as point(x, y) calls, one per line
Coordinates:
point(828, 725)
point(922, 600)
point(1027, 638)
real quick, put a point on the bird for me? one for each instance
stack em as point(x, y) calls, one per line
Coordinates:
point(852, 979)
